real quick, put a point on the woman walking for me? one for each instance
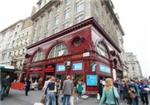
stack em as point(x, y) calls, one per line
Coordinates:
point(110, 95)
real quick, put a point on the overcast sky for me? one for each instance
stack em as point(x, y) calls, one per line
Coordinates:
point(134, 18)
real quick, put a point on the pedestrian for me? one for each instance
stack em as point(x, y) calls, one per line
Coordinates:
point(58, 85)
point(3, 88)
point(126, 94)
point(133, 91)
point(67, 90)
point(27, 86)
point(144, 94)
point(110, 94)
point(51, 92)
point(79, 88)
point(100, 89)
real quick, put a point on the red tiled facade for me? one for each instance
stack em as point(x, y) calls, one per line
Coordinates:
point(80, 41)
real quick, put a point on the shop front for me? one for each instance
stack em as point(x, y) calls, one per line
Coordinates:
point(82, 51)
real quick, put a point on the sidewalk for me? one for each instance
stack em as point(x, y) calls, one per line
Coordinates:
point(18, 98)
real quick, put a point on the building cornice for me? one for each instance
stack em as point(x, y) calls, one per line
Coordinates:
point(90, 21)
point(11, 26)
point(44, 8)
point(110, 6)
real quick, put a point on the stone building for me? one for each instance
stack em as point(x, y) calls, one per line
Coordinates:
point(14, 40)
point(52, 16)
point(134, 67)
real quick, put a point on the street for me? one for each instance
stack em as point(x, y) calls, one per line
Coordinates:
point(18, 98)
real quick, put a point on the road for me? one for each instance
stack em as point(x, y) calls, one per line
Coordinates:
point(18, 98)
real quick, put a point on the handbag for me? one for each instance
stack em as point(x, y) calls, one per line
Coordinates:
point(43, 99)
point(116, 100)
point(98, 96)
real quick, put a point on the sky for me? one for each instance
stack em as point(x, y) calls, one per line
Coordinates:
point(134, 17)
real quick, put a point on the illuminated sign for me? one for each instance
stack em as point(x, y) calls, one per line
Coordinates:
point(91, 80)
point(104, 68)
point(60, 67)
point(77, 66)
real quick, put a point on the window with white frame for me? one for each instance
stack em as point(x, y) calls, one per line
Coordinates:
point(58, 50)
point(56, 20)
point(67, 2)
point(3, 56)
point(55, 30)
point(79, 18)
point(101, 49)
point(66, 24)
point(79, 6)
point(67, 14)
point(38, 56)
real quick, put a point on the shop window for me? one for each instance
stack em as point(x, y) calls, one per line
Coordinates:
point(77, 66)
point(38, 56)
point(60, 67)
point(58, 50)
point(104, 68)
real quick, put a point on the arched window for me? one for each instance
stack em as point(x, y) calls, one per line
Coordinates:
point(101, 49)
point(58, 50)
point(38, 56)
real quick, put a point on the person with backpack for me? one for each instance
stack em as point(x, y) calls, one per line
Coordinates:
point(79, 88)
point(51, 92)
point(134, 92)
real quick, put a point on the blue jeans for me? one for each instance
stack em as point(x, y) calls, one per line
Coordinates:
point(66, 100)
point(135, 101)
point(50, 98)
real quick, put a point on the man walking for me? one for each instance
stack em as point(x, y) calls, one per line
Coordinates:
point(67, 90)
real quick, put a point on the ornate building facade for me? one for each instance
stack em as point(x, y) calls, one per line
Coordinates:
point(134, 66)
point(14, 40)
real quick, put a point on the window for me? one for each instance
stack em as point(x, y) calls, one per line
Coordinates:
point(38, 56)
point(79, 7)
point(58, 50)
point(67, 2)
point(67, 14)
point(101, 49)
point(60, 67)
point(55, 30)
point(3, 56)
point(56, 20)
point(104, 68)
point(77, 66)
point(66, 24)
point(79, 18)
point(91, 80)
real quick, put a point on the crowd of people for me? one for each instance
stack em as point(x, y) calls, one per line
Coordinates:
point(132, 92)
point(61, 92)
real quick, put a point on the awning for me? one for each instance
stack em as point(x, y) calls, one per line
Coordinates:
point(5, 68)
